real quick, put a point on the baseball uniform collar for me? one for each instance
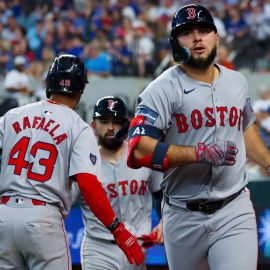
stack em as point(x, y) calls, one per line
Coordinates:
point(56, 103)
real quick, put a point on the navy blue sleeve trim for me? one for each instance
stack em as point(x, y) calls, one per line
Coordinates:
point(159, 155)
point(145, 130)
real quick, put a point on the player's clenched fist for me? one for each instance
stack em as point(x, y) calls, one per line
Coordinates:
point(129, 244)
point(217, 153)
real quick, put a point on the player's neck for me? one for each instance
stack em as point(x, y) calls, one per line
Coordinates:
point(112, 156)
point(207, 75)
point(69, 101)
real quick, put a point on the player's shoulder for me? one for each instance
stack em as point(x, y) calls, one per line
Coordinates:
point(229, 74)
point(165, 80)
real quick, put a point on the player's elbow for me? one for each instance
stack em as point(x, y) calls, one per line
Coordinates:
point(144, 148)
point(138, 154)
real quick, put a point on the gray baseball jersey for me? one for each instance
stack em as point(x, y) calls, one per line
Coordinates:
point(129, 192)
point(189, 112)
point(45, 143)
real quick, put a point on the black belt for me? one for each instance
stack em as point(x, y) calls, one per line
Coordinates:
point(206, 206)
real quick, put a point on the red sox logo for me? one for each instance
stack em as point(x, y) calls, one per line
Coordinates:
point(191, 13)
point(111, 104)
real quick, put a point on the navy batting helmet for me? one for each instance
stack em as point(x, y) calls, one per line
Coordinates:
point(113, 106)
point(67, 74)
point(187, 15)
point(110, 105)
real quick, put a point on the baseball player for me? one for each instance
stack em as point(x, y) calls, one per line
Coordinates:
point(195, 122)
point(45, 147)
point(127, 189)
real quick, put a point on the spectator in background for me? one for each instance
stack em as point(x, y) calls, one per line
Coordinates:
point(262, 111)
point(17, 86)
point(143, 50)
point(4, 12)
point(74, 45)
point(120, 57)
point(164, 58)
point(263, 102)
point(223, 54)
point(221, 29)
point(35, 36)
point(238, 32)
point(261, 108)
point(97, 61)
point(4, 55)
point(259, 36)
point(10, 27)
point(126, 30)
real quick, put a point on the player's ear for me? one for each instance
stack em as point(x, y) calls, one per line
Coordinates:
point(93, 124)
point(217, 38)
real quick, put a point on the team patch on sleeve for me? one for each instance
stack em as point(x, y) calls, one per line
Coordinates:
point(93, 158)
point(149, 115)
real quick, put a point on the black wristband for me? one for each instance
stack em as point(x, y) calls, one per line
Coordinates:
point(114, 224)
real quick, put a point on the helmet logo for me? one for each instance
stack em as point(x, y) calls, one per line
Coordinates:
point(111, 104)
point(191, 13)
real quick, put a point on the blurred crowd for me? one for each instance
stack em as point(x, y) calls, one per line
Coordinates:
point(125, 37)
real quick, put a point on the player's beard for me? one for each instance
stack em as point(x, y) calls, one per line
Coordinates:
point(109, 143)
point(202, 63)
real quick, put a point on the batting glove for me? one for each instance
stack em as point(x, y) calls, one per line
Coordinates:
point(217, 153)
point(129, 244)
point(149, 240)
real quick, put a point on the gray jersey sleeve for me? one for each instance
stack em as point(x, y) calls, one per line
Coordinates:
point(249, 116)
point(1, 131)
point(160, 96)
point(85, 157)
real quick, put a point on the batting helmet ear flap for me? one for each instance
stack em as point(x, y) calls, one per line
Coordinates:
point(180, 54)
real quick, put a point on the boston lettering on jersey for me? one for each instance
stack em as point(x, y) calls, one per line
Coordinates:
point(133, 187)
point(41, 123)
point(206, 118)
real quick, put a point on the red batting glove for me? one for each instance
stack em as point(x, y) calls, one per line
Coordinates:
point(149, 240)
point(129, 244)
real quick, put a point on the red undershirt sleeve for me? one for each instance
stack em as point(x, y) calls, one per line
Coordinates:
point(95, 197)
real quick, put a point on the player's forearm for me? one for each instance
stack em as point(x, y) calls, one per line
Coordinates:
point(180, 155)
point(96, 198)
point(255, 147)
point(177, 155)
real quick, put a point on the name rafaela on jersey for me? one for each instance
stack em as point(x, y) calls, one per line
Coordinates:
point(42, 123)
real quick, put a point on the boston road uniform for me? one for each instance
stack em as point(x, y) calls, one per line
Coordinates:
point(129, 192)
point(44, 144)
point(188, 111)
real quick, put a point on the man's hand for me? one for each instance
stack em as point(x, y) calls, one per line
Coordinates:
point(148, 240)
point(217, 153)
point(129, 244)
point(159, 230)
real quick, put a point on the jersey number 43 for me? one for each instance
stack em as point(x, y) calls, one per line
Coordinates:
point(17, 159)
